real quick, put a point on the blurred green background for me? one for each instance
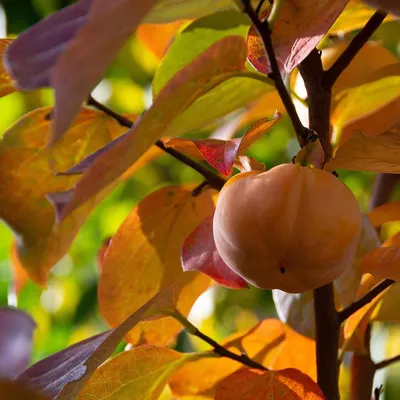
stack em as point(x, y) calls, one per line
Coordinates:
point(66, 311)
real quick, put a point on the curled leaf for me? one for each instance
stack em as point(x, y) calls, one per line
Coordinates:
point(200, 254)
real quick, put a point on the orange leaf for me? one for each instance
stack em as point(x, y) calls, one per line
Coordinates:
point(369, 153)
point(222, 154)
point(159, 37)
point(222, 60)
point(142, 371)
point(6, 86)
point(27, 177)
point(384, 263)
point(144, 257)
point(271, 343)
point(385, 213)
point(252, 384)
point(81, 66)
point(356, 326)
point(298, 28)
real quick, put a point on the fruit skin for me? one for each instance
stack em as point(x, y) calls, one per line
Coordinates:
point(291, 228)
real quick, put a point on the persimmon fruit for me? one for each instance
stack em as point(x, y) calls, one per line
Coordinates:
point(292, 228)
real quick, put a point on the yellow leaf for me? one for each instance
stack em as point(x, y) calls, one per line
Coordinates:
point(384, 263)
point(385, 213)
point(140, 373)
point(369, 153)
point(144, 257)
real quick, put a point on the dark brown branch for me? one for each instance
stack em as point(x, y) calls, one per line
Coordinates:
point(354, 307)
point(222, 351)
point(319, 99)
point(386, 363)
point(213, 179)
point(327, 327)
point(383, 189)
point(264, 31)
point(353, 48)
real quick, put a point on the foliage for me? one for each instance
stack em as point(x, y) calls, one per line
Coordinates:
point(121, 123)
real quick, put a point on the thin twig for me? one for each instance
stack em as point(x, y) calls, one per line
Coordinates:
point(213, 179)
point(264, 31)
point(354, 307)
point(222, 351)
point(353, 48)
point(386, 363)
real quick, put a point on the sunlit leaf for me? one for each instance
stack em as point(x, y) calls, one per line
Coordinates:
point(64, 374)
point(223, 59)
point(15, 342)
point(252, 384)
point(369, 153)
point(271, 343)
point(6, 86)
point(200, 254)
point(12, 390)
point(370, 108)
point(385, 213)
point(20, 276)
point(383, 263)
point(298, 28)
point(140, 373)
point(144, 256)
point(26, 177)
point(386, 5)
point(356, 325)
point(221, 154)
point(158, 37)
point(354, 16)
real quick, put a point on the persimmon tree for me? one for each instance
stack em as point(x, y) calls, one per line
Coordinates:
point(295, 229)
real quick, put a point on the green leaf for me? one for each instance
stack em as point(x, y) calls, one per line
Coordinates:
point(195, 39)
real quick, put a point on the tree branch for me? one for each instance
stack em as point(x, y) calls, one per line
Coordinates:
point(386, 363)
point(354, 307)
point(331, 75)
point(217, 348)
point(213, 179)
point(264, 31)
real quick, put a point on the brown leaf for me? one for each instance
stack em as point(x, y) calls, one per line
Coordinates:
point(144, 257)
point(252, 384)
point(12, 390)
point(82, 65)
point(385, 213)
point(384, 263)
point(298, 28)
point(219, 62)
point(26, 177)
point(6, 86)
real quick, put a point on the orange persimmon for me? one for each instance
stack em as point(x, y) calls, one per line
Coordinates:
point(292, 228)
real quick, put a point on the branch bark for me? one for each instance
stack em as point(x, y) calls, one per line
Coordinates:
point(214, 180)
point(386, 363)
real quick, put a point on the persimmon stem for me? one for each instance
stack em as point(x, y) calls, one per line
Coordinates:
point(264, 31)
point(214, 180)
point(367, 298)
point(386, 363)
point(217, 348)
point(333, 73)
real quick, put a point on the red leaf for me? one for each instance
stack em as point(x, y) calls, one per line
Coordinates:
point(252, 384)
point(222, 154)
point(200, 254)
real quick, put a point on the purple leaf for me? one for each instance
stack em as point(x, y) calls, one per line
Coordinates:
point(30, 58)
point(59, 200)
point(200, 254)
point(16, 330)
